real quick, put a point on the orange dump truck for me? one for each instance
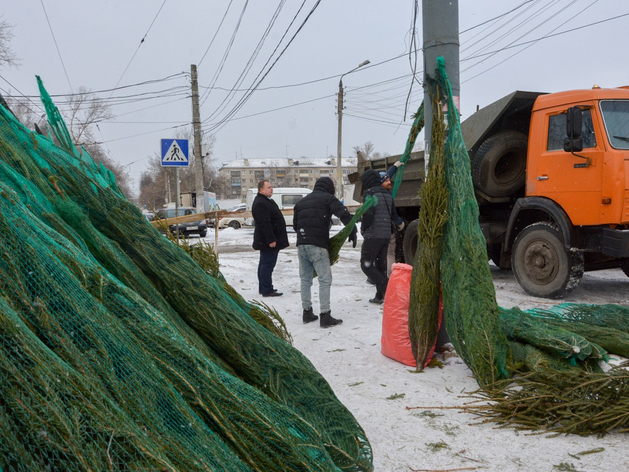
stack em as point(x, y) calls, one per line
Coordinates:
point(551, 176)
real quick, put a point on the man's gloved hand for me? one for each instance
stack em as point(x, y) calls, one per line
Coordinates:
point(398, 164)
point(400, 227)
point(353, 238)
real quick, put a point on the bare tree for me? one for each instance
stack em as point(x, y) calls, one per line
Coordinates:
point(367, 150)
point(25, 112)
point(7, 56)
point(80, 130)
point(85, 110)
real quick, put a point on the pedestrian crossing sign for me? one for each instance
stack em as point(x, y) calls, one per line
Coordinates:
point(175, 153)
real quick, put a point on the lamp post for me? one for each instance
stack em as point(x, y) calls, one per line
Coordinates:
point(339, 168)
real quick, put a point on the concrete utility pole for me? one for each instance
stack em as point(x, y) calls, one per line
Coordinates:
point(339, 167)
point(198, 157)
point(440, 25)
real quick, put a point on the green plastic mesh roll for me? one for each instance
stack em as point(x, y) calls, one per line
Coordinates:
point(470, 309)
point(119, 353)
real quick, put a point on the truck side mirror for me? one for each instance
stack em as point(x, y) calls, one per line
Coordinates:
point(574, 122)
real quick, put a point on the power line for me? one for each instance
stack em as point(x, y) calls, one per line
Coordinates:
point(141, 42)
point(225, 54)
point(497, 17)
point(216, 32)
point(254, 55)
point(528, 46)
point(36, 105)
point(248, 95)
point(141, 134)
point(55, 41)
point(281, 108)
point(505, 25)
point(546, 37)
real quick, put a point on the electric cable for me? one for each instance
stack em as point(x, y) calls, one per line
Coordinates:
point(56, 45)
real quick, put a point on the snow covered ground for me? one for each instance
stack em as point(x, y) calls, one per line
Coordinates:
point(378, 390)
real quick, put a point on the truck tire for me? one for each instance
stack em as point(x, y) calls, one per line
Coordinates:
point(410, 241)
point(541, 265)
point(499, 165)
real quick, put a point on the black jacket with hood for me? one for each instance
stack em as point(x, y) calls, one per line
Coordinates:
point(377, 222)
point(313, 214)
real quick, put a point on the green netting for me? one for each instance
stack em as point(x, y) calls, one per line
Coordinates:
point(527, 358)
point(521, 326)
point(119, 352)
point(610, 339)
point(605, 316)
point(337, 241)
point(423, 320)
point(417, 126)
point(565, 389)
point(470, 309)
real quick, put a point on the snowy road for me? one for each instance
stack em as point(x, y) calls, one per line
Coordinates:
point(377, 390)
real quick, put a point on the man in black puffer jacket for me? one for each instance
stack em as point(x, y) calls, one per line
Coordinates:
point(311, 221)
point(376, 228)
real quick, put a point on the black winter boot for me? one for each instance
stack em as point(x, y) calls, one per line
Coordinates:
point(327, 321)
point(309, 316)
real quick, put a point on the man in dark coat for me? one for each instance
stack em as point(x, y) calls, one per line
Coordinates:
point(311, 221)
point(398, 225)
point(269, 236)
point(376, 228)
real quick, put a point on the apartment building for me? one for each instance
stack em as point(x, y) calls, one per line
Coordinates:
point(243, 174)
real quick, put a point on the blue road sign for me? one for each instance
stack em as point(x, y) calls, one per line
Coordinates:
point(175, 153)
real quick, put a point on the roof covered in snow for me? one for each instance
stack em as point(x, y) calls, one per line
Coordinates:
point(282, 162)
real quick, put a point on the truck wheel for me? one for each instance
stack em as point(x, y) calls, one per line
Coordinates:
point(541, 264)
point(499, 165)
point(410, 241)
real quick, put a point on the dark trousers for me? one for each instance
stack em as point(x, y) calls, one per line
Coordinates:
point(268, 259)
point(373, 262)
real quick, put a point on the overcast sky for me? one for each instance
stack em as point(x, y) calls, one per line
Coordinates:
point(505, 45)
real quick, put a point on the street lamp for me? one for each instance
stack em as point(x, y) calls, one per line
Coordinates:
point(339, 169)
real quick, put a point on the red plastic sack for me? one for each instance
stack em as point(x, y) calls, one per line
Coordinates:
point(395, 341)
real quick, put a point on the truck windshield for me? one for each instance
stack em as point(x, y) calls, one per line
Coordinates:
point(616, 119)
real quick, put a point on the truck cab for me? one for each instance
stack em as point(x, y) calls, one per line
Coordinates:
point(551, 205)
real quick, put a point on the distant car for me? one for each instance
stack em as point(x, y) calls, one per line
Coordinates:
point(232, 221)
point(239, 207)
point(193, 227)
